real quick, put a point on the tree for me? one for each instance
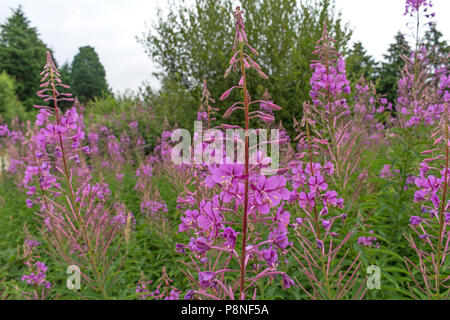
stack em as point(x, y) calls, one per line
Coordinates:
point(10, 107)
point(359, 63)
point(193, 43)
point(22, 55)
point(66, 75)
point(439, 48)
point(390, 70)
point(87, 75)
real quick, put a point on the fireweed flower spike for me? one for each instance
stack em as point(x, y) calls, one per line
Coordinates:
point(417, 100)
point(333, 127)
point(205, 106)
point(431, 226)
point(315, 247)
point(243, 61)
point(219, 266)
point(78, 222)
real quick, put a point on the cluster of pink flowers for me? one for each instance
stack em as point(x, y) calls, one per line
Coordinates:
point(414, 91)
point(75, 211)
point(369, 241)
point(151, 207)
point(10, 140)
point(431, 226)
point(329, 80)
point(311, 192)
point(38, 277)
point(164, 290)
point(413, 6)
point(242, 228)
point(431, 189)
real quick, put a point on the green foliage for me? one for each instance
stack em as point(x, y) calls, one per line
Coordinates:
point(168, 102)
point(66, 76)
point(116, 112)
point(359, 63)
point(87, 75)
point(10, 107)
point(193, 43)
point(14, 214)
point(22, 55)
point(390, 70)
point(439, 48)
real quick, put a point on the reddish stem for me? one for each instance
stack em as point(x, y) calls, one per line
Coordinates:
point(244, 218)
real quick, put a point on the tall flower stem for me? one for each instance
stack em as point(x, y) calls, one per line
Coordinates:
point(316, 216)
point(72, 193)
point(246, 172)
point(442, 213)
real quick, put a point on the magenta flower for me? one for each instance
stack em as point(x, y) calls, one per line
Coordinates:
point(317, 183)
point(270, 256)
point(279, 239)
point(415, 5)
point(420, 196)
point(316, 169)
point(283, 218)
point(211, 218)
point(328, 168)
point(331, 197)
point(369, 241)
point(227, 174)
point(200, 245)
point(386, 172)
point(287, 281)
point(189, 220)
point(206, 278)
point(268, 193)
point(306, 200)
point(298, 177)
point(326, 224)
point(37, 278)
point(230, 235)
point(144, 170)
point(429, 184)
point(415, 221)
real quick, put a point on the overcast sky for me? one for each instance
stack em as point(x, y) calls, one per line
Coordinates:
point(111, 26)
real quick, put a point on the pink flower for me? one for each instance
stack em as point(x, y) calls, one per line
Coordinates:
point(270, 256)
point(317, 183)
point(429, 184)
point(330, 197)
point(386, 171)
point(268, 192)
point(230, 235)
point(329, 168)
point(306, 200)
point(316, 169)
point(211, 218)
point(298, 176)
point(200, 245)
point(206, 278)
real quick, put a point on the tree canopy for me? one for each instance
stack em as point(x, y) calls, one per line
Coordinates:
point(360, 63)
point(193, 43)
point(87, 75)
point(10, 107)
point(22, 55)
